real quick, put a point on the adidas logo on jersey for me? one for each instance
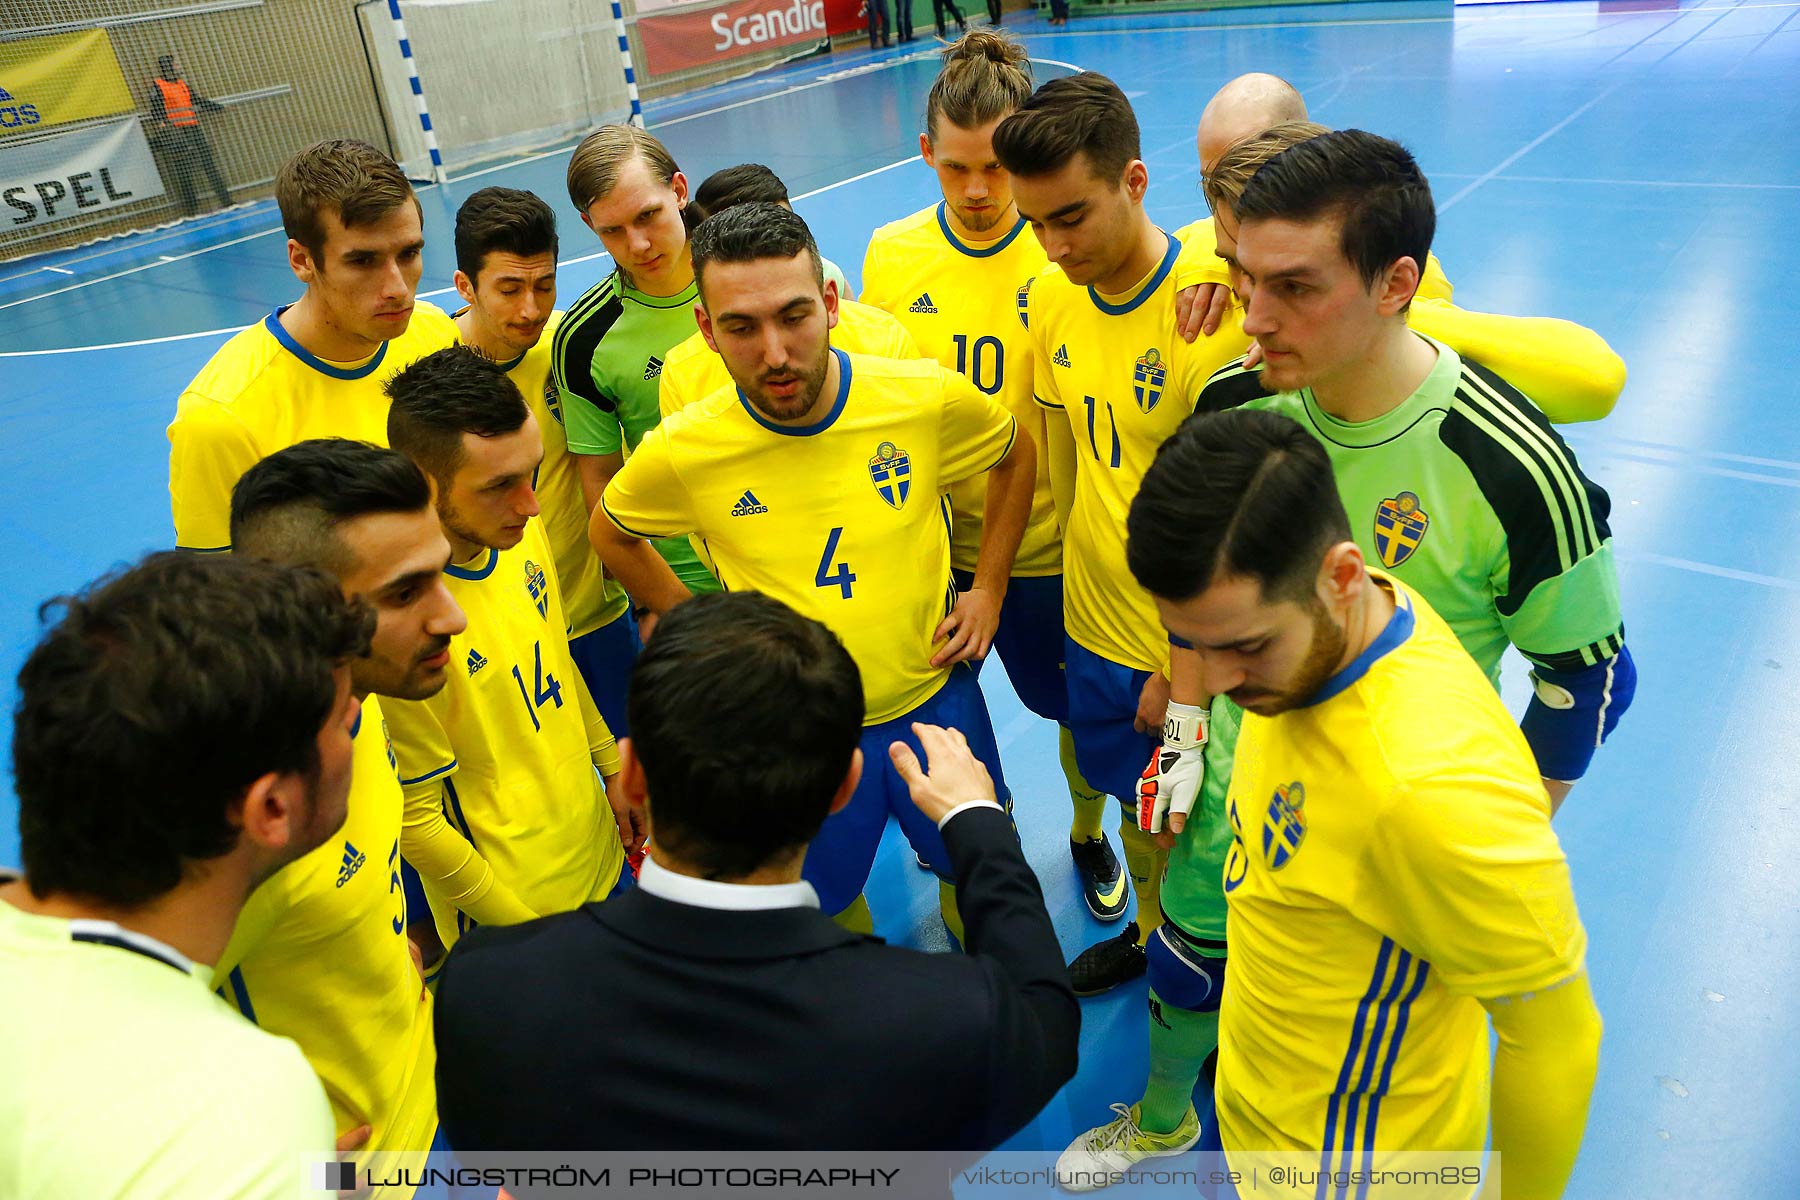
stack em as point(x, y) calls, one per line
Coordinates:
point(476, 662)
point(923, 304)
point(353, 861)
point(748, 505)
point(653, 368)
point(1061, 357)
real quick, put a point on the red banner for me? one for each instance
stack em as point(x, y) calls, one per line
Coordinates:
point(677, 40)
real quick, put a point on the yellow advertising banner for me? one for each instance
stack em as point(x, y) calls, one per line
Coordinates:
point(58, 79)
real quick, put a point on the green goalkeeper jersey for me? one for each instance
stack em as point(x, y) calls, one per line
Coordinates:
point(1193, 891)
point(1467, 494)
point(607, 364)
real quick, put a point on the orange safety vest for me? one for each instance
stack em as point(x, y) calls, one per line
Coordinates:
point(178, 102)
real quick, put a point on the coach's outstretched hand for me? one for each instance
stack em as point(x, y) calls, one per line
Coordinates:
point(952, 774)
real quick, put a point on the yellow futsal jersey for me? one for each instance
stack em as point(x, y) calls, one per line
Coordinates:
point(1114, 368)
point(960, 301)
point(846, 520)
point(503, 759)
point(1392, 865)
point(693, 370)
point(320, 955)
point(261, 392)
point(587, 600)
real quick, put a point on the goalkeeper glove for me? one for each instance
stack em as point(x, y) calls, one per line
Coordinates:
point(1171, 783)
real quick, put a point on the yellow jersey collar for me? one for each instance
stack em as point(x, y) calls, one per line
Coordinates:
point(361, 370)
point(1142, 292)
point(985, 250)
point(482, 566)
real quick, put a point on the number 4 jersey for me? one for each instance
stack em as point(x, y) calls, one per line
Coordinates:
point(508, 748)
point(846, 520)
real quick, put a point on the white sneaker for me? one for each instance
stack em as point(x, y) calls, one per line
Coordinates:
point(1100, 1157)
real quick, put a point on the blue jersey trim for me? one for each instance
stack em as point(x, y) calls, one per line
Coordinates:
point(476, 573)
point(135, 943)
point(432, 774)
point(1399, 628)
point(831, 417)
point(1378, 1044)
point(964, 247)
point(356, 727)
point(241, 991)
point(272, 323)
point(1387, 1073)
point(622, 525)
point(1149, 289)
point(205, 549)
point(455, 812)
point(1333, 1105)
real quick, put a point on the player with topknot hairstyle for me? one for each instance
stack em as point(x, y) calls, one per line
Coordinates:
point(952, 274)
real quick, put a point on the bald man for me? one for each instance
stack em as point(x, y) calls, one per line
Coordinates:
point(1242, 108)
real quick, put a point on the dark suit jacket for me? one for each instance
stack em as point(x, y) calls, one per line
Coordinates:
point(644, 1024)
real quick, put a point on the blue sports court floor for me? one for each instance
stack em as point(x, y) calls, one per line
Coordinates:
point(1631, 165)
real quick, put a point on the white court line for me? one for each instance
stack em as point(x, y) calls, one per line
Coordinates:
point(566, 262)
point(1675, 463)
point(800, 87)
point(1700, 568)
point(141, 267)
point(856, 178)
point(180, 227)
point(1652, 183)
point(204, 333)
point(155, 341)
point(1601, 443)
point(1527, 148)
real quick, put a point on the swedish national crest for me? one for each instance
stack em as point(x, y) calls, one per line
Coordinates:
point(1147, 378)
point(1284, 826)
point(538, 584)
point(1400, 525)
point(891, 473)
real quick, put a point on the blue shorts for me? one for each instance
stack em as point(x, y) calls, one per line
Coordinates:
point(1030, 641)
point(604, 657)
point(418, 909)
point(1103, 704)
point(1180, 974)
point(837, 864)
